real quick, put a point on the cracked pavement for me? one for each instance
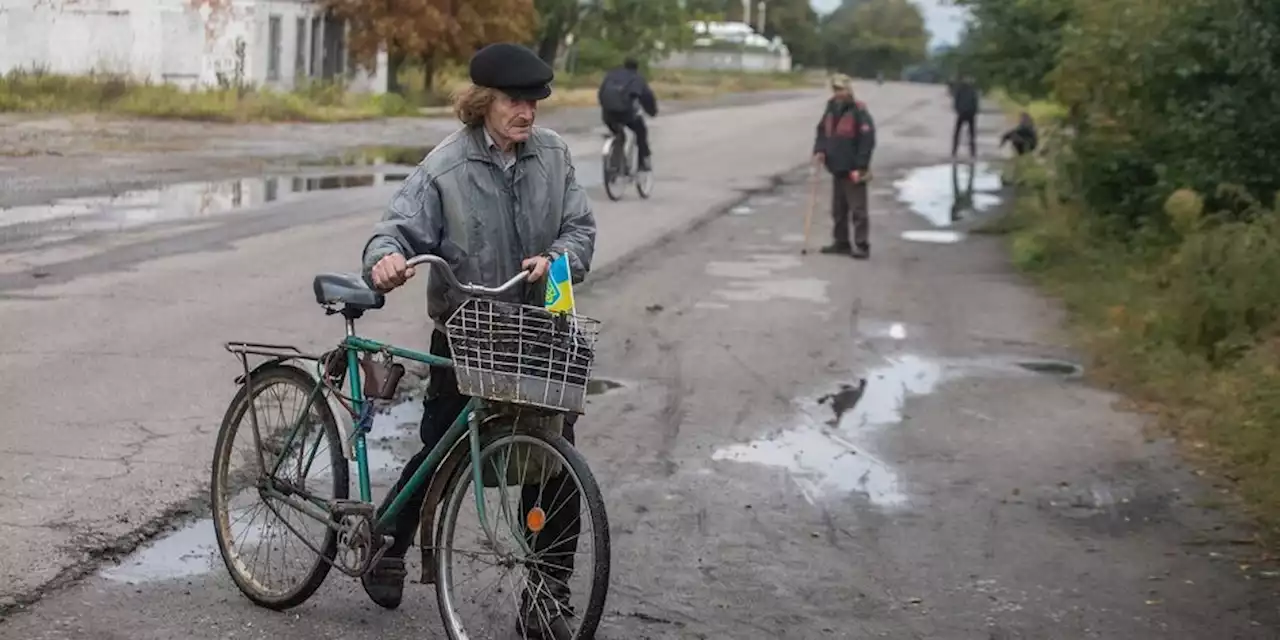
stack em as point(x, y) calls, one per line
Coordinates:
point(963, 495)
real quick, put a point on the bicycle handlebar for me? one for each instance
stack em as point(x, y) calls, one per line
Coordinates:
point(473, 289)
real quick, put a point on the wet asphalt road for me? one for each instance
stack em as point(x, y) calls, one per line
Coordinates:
point(966, 495)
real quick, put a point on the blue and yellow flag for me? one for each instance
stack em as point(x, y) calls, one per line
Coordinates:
point(559, 286)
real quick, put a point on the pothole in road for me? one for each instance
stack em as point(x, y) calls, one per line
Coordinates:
point(1060, 368)
point(601, 386)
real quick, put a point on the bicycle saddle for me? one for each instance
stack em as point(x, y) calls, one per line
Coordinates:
point(348, 289)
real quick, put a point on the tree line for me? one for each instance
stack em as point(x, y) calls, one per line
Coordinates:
point(861, 37)
point(1161, 95)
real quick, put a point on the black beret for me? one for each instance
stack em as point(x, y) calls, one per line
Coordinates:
point(513, 69)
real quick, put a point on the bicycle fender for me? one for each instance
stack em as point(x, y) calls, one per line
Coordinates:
point(460, 453)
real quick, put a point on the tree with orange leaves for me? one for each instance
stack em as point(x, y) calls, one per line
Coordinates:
point(432, 31)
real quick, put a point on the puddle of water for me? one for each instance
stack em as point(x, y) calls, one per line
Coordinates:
point(601, 386)
point(741, 210)
point(933, 236)
point(188, 200)
point(793, 237)
point(823, 453)
point(189, 551)
point(710, 305)
point(365, 156)
point(398, 425)
point(878, 329)
point(942, 193)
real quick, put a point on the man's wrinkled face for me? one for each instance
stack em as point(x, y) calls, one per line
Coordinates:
point(842, 95)
point(510, 118)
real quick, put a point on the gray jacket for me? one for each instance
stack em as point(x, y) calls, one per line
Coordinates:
point(460, 204)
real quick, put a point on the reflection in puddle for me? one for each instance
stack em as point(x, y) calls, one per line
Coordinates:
point(741, 210)
point(367, 156)
point(181, 201)
point(752, 282)
point(933, 236)
point(393, 430)
point(823, 453)
point(941, 193)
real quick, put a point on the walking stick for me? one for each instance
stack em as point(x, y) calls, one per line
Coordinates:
point(808, 214)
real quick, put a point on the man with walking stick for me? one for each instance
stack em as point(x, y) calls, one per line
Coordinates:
point(845, 142)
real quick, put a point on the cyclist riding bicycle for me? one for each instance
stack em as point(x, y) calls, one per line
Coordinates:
point(618, 94)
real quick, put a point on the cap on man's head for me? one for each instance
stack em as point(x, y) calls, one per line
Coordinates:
point(512, 69)
point(631, 63)
point(841, 82)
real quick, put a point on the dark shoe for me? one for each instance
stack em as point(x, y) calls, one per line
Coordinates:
point(385, 582)
point(861, 253)
point(646, 165)
point(841, 249)
point(547, 621)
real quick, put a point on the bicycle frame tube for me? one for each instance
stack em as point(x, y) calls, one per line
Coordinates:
point(355, 345)
point(460, 424)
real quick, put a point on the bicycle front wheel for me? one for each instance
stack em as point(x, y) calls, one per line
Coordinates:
point(542, 548)
point(276, 554)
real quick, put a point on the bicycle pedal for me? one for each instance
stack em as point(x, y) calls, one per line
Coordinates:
point(353, 508)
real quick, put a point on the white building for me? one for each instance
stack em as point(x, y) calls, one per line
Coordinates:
point(277, 44)
point(730, 46)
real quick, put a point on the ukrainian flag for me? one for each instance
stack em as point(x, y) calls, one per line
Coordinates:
point(559, 286)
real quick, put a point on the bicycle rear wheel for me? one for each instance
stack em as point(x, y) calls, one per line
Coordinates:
point(556, 515)
point(274, 528)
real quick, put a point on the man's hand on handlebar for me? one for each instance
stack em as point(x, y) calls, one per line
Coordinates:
point(390, 272)
point(537, 267)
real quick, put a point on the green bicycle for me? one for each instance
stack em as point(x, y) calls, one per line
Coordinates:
point(523, 369)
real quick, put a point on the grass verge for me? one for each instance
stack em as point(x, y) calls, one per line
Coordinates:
point(42, 92)
point(1184, 320)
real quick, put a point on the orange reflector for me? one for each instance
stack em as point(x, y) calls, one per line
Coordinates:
point(536, 520)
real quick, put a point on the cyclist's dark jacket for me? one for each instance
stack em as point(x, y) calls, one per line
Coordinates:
point(847, 135)
point(630, 87)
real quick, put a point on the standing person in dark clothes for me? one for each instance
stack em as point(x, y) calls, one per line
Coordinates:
point(1023, 136)
point(845, 142)
point(965, 102)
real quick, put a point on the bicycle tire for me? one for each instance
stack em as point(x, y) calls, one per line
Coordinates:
point(610, 171)
point(262, 380)
point(576, 464)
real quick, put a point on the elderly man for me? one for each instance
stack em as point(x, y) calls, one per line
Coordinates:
point(495, 197)
point(845, 141)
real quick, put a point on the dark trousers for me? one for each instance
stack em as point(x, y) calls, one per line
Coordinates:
point(633, 122)
point(964, 119)
point(849, 201)
point(442, 404)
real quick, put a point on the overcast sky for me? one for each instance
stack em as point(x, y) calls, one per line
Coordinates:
point(944, 22)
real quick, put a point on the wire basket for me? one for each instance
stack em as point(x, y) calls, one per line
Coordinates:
point(522, 354)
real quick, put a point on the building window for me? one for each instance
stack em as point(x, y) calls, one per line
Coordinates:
point(274, 48)
point(300, 55)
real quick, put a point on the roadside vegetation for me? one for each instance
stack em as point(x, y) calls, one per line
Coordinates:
point(37, 91)
point(1153, 206)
